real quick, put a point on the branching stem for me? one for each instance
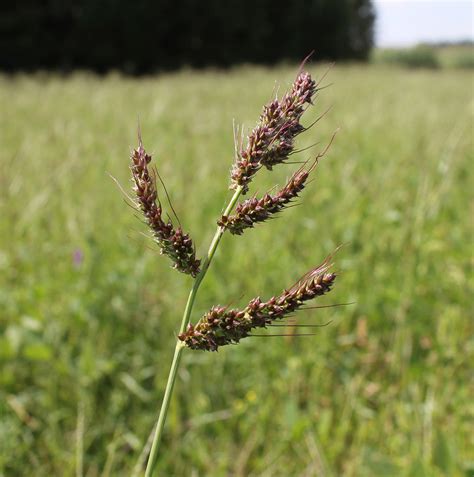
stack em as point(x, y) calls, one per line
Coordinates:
point(152, 459)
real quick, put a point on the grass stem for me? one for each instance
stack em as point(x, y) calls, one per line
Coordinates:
point(153, 457)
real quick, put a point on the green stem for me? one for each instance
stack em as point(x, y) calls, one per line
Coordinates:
point(152, 459)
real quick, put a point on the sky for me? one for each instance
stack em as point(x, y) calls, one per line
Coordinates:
point(408, 22)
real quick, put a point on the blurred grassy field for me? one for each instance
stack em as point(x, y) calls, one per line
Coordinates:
point(461, 56)
point(89, 310)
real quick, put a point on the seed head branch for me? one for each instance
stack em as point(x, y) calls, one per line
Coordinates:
point(221, 326)
point(254, 210)
point(172, 241)
point(272, 140)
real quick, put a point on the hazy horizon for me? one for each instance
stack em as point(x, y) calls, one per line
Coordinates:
point(401, 23)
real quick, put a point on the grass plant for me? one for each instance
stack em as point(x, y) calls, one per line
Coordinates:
point(270, 143)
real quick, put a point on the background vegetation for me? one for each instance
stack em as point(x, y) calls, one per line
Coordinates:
point(459, 56)
point(89, 311)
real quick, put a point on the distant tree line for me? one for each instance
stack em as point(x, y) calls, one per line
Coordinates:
point(140, 36)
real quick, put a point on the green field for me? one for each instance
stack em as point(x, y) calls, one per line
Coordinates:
point(85, 346)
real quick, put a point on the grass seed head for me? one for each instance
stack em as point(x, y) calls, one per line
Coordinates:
point(253, 211)
point(272, 140)
point(172, 241)
point(221, 326)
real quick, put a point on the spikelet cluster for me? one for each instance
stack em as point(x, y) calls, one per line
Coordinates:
point(272, 140)
point(221, 326)
point(255, 210)
point(173, 242)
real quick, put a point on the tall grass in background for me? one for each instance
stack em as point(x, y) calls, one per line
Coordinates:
point(87, 325)
point(417, 57)
point(461, 57)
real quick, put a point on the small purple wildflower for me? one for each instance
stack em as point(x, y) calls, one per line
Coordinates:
point(77, 258)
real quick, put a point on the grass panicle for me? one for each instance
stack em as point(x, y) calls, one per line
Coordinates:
point(221, 326)
point(172, 241)
point(269, 144)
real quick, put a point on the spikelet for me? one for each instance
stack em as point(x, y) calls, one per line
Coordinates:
point(221, 326)
point(172, 241)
